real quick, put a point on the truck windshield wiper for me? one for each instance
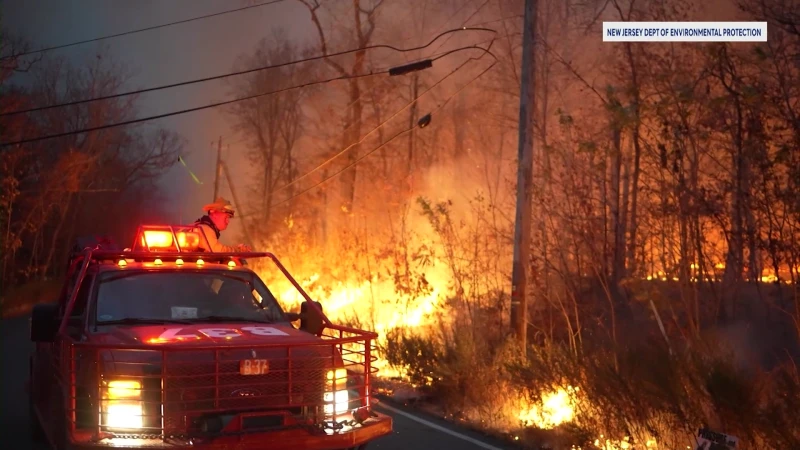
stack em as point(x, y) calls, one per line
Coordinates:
point(214, 319)
point(141, 320)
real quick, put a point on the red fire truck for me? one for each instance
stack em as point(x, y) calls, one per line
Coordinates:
point(165, 346)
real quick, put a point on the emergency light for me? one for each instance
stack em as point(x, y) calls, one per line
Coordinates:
point(159, 245)
point(165, 238)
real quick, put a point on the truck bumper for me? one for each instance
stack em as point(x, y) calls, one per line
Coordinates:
point(290, 439)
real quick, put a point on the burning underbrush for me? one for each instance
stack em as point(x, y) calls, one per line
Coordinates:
point(443, 321)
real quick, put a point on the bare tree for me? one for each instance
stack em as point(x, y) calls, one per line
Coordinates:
point(363, 26)
point(271, 125)
point(73, 184)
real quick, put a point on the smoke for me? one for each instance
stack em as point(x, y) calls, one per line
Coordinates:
point(756, 343)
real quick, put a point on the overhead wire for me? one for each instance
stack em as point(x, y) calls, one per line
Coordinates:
point(464, 23)
point(395, 136)
point(464, 5)
point(443, 26)
point(406, 106)
point(345, 149)
point(412, 102)
point(183, 111)
point(387, 81)
point(384, 83)
point(241, 72)
point(213, 105)
point(140, 30)
point(340, 153)
point(433, 55)
point(411, 172)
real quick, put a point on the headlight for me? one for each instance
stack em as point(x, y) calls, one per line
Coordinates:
point(121, 404)
point(336, 397)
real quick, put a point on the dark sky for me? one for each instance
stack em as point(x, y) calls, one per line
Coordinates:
point(167, 55)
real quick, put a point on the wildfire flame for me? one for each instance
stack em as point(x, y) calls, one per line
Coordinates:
point(557, 407)
point(343, 302)
point(371, 302)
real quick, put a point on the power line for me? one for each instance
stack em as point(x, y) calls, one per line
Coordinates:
point(242, 72)
point(154, 27)
point(413, 101)
point(464, 23)
point(386, 80)
point(444, 24)
point(451, 97)
point(213, 105)
point(340, 153)
point(342, 132)
point(185, 111)
point(488, 51)
point(433, 55)
point(398, 134)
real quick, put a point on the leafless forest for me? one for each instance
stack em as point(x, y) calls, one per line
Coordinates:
point(665, 256)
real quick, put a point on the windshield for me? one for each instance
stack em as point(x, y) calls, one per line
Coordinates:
point(190, 296)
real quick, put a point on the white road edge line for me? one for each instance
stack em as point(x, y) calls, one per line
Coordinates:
point(437, 427)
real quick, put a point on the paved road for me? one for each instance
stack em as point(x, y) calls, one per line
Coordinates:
point(411, 430)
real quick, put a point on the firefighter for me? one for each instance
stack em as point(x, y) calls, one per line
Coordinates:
point(218, 214)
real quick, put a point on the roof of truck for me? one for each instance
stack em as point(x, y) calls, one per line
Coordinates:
point(163, 246)
point(169, 265)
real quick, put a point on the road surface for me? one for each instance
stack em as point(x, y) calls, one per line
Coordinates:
point(411, 430)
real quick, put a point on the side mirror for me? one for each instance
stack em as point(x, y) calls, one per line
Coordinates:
point(44, 322)
point(310, 319)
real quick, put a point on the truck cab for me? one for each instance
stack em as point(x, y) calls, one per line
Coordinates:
point(162, 345)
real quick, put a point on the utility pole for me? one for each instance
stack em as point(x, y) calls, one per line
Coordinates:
point(237, 205)
point(219, 169)
point(522, 229)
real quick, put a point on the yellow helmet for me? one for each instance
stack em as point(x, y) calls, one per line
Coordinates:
point(220, 205)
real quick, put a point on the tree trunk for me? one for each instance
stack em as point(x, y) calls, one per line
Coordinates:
point(621, 249)
point(7, 245)
point(617, 225)
point(268, 179)
point(65, 208)
point(349, 177)
point(637, 153)
point(754, 139)
point(735, 255)
point(376, 107)
point(412, 118)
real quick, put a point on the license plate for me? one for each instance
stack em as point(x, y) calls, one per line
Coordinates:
point(254, 366)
